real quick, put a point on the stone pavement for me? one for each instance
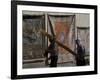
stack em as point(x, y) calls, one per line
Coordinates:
point(63, 61)
point(42, 65)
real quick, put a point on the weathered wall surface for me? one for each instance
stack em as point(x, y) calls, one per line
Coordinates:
point(79, 20)
point(82, 20)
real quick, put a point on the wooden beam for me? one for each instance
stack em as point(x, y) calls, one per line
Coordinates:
point(59, 43)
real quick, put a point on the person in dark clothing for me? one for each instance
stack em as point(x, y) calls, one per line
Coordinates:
point(80, 58)
point(53, 53)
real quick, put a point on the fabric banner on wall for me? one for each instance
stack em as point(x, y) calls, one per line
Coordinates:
point(33, 44)
point(84, 37)
point(64, 29)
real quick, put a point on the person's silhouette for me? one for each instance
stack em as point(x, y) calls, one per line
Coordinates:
point(53, 53)
point(80, 57)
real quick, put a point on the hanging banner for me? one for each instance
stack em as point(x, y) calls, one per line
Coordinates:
point(63, 27)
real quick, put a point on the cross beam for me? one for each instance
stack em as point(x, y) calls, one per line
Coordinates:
point(59, 43)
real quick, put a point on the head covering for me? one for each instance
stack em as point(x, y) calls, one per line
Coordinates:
point(77, 41)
